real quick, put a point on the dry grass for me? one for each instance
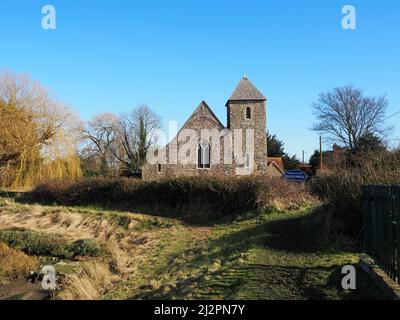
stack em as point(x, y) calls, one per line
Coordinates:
point(123, 248)
point(15, 264)
point(282, 195)
point(89, 284)
point(55, 220)
point(121, 258)
point(342, 186)
point(96, 277)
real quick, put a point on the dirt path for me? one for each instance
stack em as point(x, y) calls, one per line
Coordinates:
point(23, 290)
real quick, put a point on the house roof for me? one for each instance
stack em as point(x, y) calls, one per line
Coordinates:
point(274, 165)
point(246, 91)
point(277, 161)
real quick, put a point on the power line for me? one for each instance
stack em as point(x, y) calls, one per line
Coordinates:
point(395, 114)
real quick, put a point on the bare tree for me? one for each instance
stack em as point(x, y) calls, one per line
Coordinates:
point(102, 132)
point(345, 115)
point(135, 136)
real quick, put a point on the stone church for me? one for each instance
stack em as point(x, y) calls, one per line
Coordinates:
point(246, 112)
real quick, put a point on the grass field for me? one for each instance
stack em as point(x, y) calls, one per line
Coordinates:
point(275, 255)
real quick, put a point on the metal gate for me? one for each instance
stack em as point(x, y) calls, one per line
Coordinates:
point(381, 207)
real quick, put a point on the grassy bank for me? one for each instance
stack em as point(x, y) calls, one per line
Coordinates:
point(274, 255)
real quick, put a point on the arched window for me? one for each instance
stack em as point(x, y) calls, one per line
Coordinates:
point(159, 168)
point(204, 156)
point(248, 113)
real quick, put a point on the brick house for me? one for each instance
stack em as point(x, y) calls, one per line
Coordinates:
point(246, 112)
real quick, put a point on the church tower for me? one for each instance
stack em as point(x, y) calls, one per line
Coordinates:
point(246, 109)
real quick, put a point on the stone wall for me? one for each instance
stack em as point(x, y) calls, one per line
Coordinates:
point(237, 120)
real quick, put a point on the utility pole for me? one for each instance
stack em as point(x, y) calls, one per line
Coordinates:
point(303, 157)
point(320, 152)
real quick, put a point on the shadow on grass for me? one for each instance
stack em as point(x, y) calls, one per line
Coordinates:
point(11, 194)
point(299, 234)
point(266, 282)
point(255, 280)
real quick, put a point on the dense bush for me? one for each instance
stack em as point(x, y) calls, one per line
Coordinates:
point(33, 243)
point(189, 195)
point(342, 187)
point(84, 248)
point(37, 244)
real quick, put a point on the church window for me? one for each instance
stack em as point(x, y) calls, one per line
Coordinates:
point(248, 113)
point(204, 156)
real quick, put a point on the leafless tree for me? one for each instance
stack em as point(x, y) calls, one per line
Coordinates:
point(102, 132)
point(345, 115)
point(135, 138)
point(120, 142)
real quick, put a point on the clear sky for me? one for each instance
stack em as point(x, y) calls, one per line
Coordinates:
point(109, 56)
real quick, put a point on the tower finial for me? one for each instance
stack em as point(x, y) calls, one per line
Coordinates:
point(244, 76)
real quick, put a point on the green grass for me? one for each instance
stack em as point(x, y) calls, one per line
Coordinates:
point(269, 256)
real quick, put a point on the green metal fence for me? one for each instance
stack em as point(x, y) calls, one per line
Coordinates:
point(382, 227)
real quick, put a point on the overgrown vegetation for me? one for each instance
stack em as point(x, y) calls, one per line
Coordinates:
point(190, 197)
point(342, 187)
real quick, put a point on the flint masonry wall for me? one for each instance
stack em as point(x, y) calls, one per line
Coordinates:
point(237, 120)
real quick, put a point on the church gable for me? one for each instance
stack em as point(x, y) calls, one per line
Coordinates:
point(203, 118)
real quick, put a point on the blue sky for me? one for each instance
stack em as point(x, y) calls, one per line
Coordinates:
point(109, 56)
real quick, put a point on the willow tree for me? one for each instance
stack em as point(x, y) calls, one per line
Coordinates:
point(37, 134)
